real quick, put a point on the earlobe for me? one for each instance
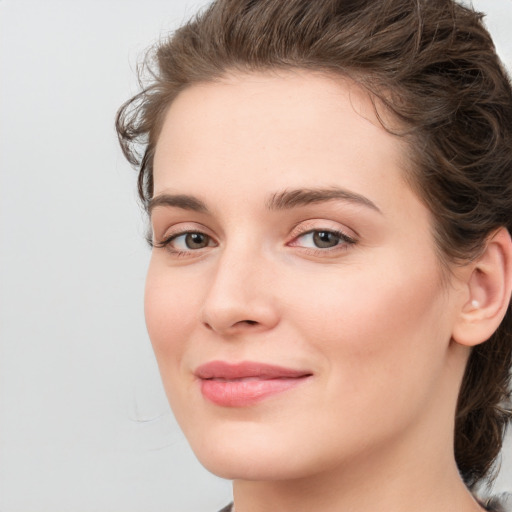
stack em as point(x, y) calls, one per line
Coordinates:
point(489, 286)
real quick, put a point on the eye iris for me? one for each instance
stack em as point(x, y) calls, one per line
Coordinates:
point(324, 239)
point(196, 240)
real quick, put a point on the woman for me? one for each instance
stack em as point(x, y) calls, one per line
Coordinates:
point(329, 186)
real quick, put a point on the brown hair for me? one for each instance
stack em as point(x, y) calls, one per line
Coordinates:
point(433, 64)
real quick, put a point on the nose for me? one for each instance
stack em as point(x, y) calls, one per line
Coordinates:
point(241, 296)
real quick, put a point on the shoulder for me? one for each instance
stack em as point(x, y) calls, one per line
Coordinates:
point(500, 503)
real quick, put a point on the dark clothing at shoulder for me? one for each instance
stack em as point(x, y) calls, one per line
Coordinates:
point(501, 503)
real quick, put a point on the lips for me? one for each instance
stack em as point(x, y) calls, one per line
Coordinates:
point(246, 383)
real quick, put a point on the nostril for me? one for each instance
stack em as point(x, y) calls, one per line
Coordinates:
point(240, 324)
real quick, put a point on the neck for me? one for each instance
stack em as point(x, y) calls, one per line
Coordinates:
point(386, 479)
point(357, 492)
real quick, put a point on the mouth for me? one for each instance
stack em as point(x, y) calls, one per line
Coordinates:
point(246, 383)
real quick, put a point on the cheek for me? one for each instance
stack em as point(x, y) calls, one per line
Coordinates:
point(379, 328)
point(170, 311)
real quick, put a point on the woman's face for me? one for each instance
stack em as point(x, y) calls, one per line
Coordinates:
point(294, 298)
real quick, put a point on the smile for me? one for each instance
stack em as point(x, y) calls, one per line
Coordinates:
point(244, 384)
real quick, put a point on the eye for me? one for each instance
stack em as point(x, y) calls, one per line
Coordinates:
point(190, 241)
point(322, 239)
point(185, 242)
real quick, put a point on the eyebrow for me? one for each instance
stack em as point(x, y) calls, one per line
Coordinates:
point(285, 200)
point(183, 201)
point(302, 197)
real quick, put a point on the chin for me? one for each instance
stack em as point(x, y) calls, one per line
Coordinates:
point(249, 466)
point(237, 454)
point(238, 469)
point(250, 452)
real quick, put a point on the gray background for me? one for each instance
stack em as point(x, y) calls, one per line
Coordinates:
point(84, 423)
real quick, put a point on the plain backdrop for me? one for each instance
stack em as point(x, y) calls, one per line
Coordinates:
point(84, 423)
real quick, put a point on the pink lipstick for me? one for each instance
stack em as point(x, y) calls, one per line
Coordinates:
point(243, 384)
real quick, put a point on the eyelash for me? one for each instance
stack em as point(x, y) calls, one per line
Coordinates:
point(343, 243)
point(166, 243)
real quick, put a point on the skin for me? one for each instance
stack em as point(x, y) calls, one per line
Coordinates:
point(371, 318)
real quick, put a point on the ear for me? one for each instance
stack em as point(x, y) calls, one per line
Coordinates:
point(489, 287)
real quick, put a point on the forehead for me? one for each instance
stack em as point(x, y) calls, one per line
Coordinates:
point(286, 128)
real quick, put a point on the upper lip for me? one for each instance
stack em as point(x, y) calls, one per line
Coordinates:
point(246, 369)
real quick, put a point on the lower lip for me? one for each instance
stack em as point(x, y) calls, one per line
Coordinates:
point(244, 392)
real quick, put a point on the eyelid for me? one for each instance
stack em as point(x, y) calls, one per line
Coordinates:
point(171, 238)
point(346, 241)
point(180, 229)
point(310, 225)
point(176, 228)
